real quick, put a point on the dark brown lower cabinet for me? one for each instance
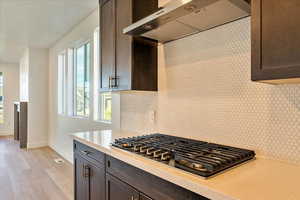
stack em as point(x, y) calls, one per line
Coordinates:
point(117, 190)
point(99, 176)
point(89, 179)
point(148, 184)
point(96, 182)
point(144, 197)
point(81, 182)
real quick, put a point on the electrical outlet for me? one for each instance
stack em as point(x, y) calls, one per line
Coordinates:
point(152, 116)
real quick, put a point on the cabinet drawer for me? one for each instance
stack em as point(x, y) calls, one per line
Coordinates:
point(144, 197)
point(152, 186)
point(89, 152)
point(116, 189)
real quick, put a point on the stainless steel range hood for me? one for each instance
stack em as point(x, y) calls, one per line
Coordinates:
point(181, 18)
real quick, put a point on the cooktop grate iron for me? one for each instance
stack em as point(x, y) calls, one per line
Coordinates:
point(198, 157)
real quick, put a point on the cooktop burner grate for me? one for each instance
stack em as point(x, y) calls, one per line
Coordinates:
point(198, 157)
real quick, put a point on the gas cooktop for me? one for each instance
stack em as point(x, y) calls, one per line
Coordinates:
point(198, 157)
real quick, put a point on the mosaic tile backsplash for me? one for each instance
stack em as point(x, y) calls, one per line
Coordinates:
point(206, 93)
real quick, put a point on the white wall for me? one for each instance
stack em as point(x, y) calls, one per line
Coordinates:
point(11, 94)
point(60, 125)
point(24, 70)
point(34, 73)
point(38, 97)
point(206, 93)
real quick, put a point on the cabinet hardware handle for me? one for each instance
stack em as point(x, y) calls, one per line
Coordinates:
point(85, 171)
point(133, 198)
point(109, 82)
point(113, 81)
point(85, 152)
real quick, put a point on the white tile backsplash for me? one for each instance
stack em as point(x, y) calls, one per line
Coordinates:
point(205, 92)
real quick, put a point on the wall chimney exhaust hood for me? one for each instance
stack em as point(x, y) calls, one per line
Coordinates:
point(181, 18)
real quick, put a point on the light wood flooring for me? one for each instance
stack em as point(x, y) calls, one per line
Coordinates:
point(32, 174)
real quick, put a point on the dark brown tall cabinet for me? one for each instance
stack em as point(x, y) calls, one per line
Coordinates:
point(276, 41)
point(21, 123)
point(126, 62)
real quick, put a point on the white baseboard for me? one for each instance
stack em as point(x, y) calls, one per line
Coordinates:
point(6, 133)
point(35, 145)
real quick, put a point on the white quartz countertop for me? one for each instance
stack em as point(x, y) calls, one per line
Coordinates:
point(260, 179)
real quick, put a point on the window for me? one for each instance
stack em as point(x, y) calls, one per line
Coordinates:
point(105, 108)
point(1, 99)
point(76, 93)
point(62, 83)
point(103, 101)
point(82, 81)
point(70, 82)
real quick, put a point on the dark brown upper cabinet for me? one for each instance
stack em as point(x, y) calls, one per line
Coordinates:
point(126, 62)
point(276, 41)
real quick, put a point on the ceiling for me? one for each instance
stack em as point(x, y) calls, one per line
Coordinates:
point(37, 23)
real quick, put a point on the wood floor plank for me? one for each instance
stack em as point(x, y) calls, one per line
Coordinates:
point(33, 174)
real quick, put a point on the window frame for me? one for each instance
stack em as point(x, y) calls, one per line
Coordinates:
point(99, 103)
point(102, 111)
point(3, 110)
point(62, 83)
point(74, 75)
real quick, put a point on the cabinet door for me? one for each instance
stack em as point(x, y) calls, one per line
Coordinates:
point(123, 44)
point(144, 197)
point(275, 40)
point(96, 181)
point(118, 190)
point(81, 185)
point(107, 44)
point(89, 179)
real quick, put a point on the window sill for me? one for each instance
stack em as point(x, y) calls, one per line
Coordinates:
point(73, 117)
point(79, 117)
point(104, 122)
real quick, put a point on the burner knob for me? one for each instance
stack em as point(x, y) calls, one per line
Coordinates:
point(126, 145)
